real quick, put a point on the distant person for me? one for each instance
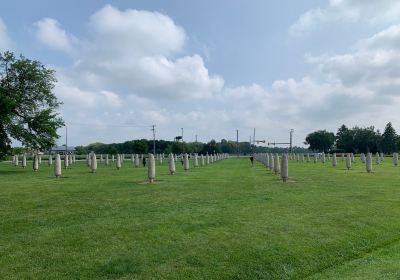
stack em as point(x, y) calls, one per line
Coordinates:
point(144, 162)
point(252, 160)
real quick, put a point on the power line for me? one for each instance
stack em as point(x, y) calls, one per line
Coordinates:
point(154, 138)
point(66, 140)
point(110, 125)
point(183, 145)
point(237, 142)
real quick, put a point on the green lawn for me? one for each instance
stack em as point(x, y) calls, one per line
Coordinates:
point(224, 221)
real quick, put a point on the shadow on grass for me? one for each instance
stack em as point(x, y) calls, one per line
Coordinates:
point(119, 267)
point(11, 172)
point(146, 182)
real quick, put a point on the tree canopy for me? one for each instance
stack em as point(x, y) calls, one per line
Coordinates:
point(390, 139)
point(359, 140)
point(142, 146)
point(321, 140)
point(27, 104)
point(344, 138)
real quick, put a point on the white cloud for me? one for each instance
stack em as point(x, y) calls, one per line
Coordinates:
point(364, 82)
point(366, 11)
point(5, 40)
point(307, 22)
point(134, 51)
point(49, 32)
point(133, 33)
point(374, 64)
point(131, 70)
point(76, 98)
point(388, 39)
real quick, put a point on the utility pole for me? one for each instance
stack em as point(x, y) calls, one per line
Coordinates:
point(195, 147)
point(237, 142)
point(291, 140)
point(66, 140)
point(182, 142)
point(254, 140)
point(290, 143)
point(154, 139)
point(251, 149)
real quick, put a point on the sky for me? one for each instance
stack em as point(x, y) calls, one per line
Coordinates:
point(212, 67)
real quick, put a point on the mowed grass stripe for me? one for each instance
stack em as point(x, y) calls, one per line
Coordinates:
point(224, 221)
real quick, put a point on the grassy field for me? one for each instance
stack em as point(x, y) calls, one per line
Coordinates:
point(225, 221)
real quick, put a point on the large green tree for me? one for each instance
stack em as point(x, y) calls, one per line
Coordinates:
point(389, 139)
point(27, 104)
point(321, 140)
point(366, 139)
point(345, 139)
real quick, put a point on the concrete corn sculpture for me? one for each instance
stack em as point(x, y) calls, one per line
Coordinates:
point(151, 169)
point(93, 163)
point(271, 162)
point(395, 159)
point(334, 160)
point(348, 161)
point(35, 163)
point(186, 162)
point(362, 157)
point(276, 164)
point(23, 160)
point(137, 162)
point(284, 168)
point(57, 166)
point(368, 163)
point(171, 164)
point(66, 162)
point(118, 162)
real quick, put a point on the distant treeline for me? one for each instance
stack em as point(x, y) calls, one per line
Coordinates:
point(143, 146)
point(355, 140)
